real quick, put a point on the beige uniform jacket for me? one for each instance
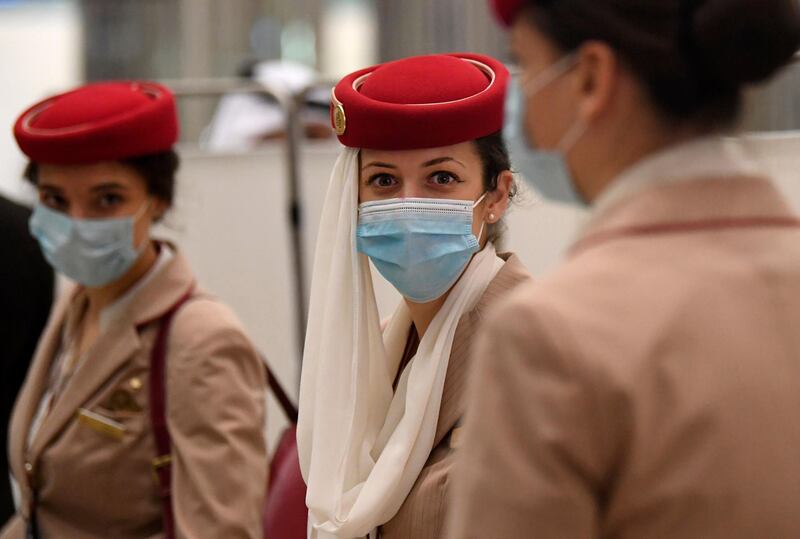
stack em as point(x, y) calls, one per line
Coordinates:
point(422, 515)
point(650, 388)
point(95, 485)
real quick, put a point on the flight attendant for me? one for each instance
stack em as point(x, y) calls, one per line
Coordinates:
point(419, 190)
point(650, 386)
point(143, 412)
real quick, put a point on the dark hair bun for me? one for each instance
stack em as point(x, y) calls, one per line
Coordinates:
point(746, 41)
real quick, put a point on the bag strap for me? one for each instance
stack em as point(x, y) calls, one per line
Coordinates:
point(283, 399)
point(158, 416)
point(158, 413)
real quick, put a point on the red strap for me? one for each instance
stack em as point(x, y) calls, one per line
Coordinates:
point(158, 416)
point(158, 413)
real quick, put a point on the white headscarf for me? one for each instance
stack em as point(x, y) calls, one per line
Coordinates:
point(361, 444)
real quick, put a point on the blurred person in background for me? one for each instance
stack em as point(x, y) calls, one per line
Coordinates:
point(245, 121)
point(143, 412)
point(26, 294)
point(420, 191)
point(650, 387)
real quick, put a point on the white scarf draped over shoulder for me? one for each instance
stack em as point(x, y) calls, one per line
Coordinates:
point(361, 444)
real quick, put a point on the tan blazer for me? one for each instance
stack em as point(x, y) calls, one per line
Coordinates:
point(650, 388)
point(95, 484)
point(422, 514)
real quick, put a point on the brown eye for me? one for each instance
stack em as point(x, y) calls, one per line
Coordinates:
point(110, 200)
point(443, 178)
point(54, 201)
point(382, 180)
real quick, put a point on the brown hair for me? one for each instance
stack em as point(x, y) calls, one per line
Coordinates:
point(158, 171)
point(693, 56)
point(495, 159)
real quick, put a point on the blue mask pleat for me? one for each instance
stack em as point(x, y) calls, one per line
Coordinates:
point(91, 252)
point(422, 254)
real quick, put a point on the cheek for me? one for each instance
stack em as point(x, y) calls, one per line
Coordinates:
point(547, 118)
point(141, 231)
point(365, 194)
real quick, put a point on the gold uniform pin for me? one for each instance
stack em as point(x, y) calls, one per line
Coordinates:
point(102, 424)
point(123, 401)
point(339, 119)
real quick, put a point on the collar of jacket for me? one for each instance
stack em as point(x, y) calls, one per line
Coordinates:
point(705, 183)
point(512, 274)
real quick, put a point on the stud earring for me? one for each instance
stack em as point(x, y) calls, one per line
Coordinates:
point(491, 218)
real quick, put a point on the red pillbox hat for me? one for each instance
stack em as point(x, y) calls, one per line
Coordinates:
point(104, 121)
point(507, 10)
point(420, 102)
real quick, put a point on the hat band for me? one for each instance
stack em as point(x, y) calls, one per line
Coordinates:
point(480, 65)
point(149, 90)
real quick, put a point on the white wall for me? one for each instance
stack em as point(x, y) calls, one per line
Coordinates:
point(40, 52)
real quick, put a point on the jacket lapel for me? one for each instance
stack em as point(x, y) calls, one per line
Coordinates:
point(35, 384)
point(512, 274)
point(114, 348)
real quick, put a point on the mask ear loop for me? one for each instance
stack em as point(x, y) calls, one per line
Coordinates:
point(142, 210)
point(135, 218)
point(483, 223)
point(532, 85)
point(480, 232)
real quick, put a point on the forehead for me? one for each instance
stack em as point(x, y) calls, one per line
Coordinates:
point(528, 42)
point(464, 152)
point(89, 175)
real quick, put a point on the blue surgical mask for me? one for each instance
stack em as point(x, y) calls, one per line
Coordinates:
point(420, 245)
point(91, 252)
point(545, 170)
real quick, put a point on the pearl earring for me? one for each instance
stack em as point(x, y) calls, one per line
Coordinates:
point(491, 217)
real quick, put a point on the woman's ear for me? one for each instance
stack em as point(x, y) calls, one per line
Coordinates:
point(597, 79)
point(497, 200)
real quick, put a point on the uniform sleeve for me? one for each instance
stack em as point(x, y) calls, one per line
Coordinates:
point(14, 528)
point(216, 420)
point(535, 443)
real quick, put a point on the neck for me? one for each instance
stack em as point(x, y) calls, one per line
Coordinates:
point(628, 149)
point(422, 314)
point(102, 297)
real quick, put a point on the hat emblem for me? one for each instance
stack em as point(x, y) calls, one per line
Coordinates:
point(339, 119)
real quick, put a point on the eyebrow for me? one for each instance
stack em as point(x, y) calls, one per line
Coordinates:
point(440, 160)
point(432, 162)
point(49, 187)
point(379, 165)
point(108, 186)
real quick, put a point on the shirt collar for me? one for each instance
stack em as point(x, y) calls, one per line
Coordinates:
point(713, 156)
point(115, 309)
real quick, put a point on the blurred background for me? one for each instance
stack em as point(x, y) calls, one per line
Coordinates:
point(255, 163)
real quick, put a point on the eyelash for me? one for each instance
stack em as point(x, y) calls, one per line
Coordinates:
point(373, 180)
point(455, 178)
point(110, 199)
point(54, 201)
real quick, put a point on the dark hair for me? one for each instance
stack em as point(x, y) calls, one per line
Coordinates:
point(157, 169)
point(693, 56)
point(495, 159)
